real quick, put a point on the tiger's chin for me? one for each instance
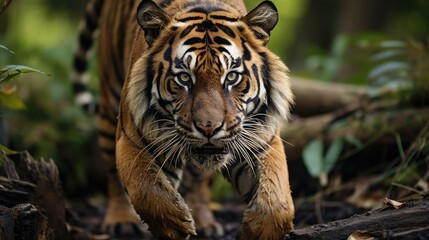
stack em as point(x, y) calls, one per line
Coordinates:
point(209, 159)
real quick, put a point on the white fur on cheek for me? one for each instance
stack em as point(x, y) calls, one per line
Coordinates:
point(280, 93)
point(136, 97)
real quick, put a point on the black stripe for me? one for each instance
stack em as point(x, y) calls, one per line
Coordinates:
point(187, 31)
point(265, 78)
point(226, 30)
point(104, 134)
point(258, 80)
point(91, 22)
point(116, 93)
point(80, 64)
point(206, 25)
point(85, 41)
point(165, 3)
point(170, 173)
point(108, 151)
point(79, 87)
point(246, 88)
point(167, 53)
point(222, 49)
point(111, 120)
point(97, 7)
point(246, 53)
point(90, 107)
point(241, 169)
point(247, 197)
point(219, 17)
point(199, 10)
point(149, 73)
point(236, 63)
point(193, 40)
point(221, 40)
point(190, 18)
point(162, 102)
point(206, 9)
point(256, 100)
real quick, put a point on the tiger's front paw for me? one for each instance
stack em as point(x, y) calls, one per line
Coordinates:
point(169, 219)
point(270, 223)
point(171, 224)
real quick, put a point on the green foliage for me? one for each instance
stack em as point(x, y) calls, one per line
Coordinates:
point(5, 48)
point(220, 188)
point(327, 65)
point(319, 164)
point(8, 96)
point(401, 71)
point(11, 72)
point(7, 150)
point(9, 99)
point(52, 125)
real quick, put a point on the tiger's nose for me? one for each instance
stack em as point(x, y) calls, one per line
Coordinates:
point(208, 129)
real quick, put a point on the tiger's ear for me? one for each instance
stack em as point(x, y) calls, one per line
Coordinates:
point(262, 20)
point(152, 19)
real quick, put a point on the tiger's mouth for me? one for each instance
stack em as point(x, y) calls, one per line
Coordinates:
point(209, 149)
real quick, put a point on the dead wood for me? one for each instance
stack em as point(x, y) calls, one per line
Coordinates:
point(315, 97)
point(24, 221)
point(384, 223)
point(37, 184)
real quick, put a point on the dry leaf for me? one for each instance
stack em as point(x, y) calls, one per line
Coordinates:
point(394, 203)
point(423, 185)
point(360, 235)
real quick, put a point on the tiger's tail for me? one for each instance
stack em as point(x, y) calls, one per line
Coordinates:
point(87, 29)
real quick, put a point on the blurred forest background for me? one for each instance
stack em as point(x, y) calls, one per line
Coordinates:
point(380, 48)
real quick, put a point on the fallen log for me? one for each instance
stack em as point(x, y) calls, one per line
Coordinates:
point(315, 97)
point(362, 125)
point(410, 221)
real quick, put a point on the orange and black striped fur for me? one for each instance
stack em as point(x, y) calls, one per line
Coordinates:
point(189, 87)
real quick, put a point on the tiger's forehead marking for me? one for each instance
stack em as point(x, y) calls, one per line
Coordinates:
point(210, 36)
point(206, 20)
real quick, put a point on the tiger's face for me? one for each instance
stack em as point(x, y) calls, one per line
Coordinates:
point(202, 91)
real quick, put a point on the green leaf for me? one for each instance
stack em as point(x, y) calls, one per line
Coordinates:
point(354, 141)
point(333, 154)
point(313, 157)
point(11, 72)
point(7, 150)
point(388, 67)
point(11, 101)
point(340, 45)
point(392, 44)
point(387, 54)
point(7, 49)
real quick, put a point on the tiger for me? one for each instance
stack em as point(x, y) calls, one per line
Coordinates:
point(188, 88)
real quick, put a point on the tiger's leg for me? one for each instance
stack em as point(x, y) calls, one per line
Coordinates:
point(266, 190)
point(195, 190)
point(154, 197)
point(120, 218)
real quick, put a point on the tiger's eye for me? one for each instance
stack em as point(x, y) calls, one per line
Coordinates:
point(232, 76)
point(184, 77)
